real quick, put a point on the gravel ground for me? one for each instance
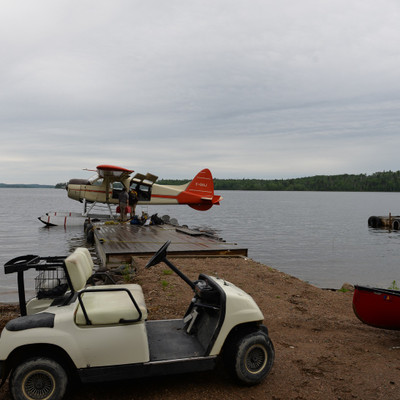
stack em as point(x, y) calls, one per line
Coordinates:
point(322, 350)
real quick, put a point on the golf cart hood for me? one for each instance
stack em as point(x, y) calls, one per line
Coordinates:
point(240, 306)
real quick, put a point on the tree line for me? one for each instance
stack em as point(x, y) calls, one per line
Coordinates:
point(386, 181)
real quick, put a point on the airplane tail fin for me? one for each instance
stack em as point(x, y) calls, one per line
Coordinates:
point(201, 188)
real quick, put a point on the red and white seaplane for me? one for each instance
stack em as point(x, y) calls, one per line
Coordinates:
point(105, 187)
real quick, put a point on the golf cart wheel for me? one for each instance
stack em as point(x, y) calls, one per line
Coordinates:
point(251, 358)
point(38, 379)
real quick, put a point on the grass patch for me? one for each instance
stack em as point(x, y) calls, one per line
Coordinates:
point(167, 272)
point(164, 284)
point(393, 286)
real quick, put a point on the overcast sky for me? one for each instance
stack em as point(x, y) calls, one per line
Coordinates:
point(247, 88)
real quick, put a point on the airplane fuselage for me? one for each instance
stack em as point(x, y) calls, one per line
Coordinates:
point(147, 194)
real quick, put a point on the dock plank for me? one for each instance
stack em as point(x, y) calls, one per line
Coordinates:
point(119, 243)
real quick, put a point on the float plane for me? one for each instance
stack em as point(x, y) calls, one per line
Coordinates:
point(105, 187)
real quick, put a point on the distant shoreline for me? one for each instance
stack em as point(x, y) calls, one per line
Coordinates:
point(25, 186)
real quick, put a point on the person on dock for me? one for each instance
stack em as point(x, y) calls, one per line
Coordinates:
point(133, 200)
point(123, 203)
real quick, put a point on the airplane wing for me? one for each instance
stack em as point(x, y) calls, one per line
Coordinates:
point(113, 173)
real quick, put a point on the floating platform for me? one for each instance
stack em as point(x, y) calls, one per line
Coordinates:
point(119, 243)
point(391, 222)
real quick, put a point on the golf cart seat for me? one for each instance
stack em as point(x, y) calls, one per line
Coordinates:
point(111, 304)
point(79, 269)
point(103, 304)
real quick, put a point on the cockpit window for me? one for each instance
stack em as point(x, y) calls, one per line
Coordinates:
point(117, 185)
point(97, 182)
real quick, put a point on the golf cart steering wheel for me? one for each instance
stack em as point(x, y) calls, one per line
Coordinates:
point(159, 256)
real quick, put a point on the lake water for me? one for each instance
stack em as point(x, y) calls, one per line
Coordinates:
point(319, 237)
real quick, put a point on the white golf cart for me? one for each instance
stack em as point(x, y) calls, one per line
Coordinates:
point(101, 333)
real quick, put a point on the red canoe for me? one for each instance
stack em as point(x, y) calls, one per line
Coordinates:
point(377, 307)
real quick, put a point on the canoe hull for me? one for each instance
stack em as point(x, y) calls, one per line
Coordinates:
point(377, 307)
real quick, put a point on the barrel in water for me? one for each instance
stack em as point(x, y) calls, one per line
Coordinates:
point(396, 225)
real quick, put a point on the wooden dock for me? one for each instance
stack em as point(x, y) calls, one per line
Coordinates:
point(119, 243)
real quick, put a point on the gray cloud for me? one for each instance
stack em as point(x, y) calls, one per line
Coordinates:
point(247, 89)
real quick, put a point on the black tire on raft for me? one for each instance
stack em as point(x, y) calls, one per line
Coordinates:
point(374, 222)
point(38, 378)
point(249, 359)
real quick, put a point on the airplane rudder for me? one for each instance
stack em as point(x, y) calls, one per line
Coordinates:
point(202, 181)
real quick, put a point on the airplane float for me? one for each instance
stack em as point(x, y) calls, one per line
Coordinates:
point(105, 187)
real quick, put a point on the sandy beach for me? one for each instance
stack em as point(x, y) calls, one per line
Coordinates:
point(322, 350)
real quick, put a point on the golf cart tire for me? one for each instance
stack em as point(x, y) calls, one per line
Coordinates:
point(38, 378)
point(249, 359)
